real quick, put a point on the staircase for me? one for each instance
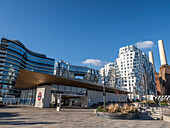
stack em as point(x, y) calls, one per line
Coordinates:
point(154, 113)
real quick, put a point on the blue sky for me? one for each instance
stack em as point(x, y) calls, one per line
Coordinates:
point(76, 30)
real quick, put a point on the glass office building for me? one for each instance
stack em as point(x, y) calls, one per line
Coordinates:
point(14, 56)
point(73, 71)
point(28, 96)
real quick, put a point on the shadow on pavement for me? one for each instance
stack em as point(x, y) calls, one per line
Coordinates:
point(6, 118)
point(26, 123)
point(11, 106)
point(7, 114)
point(15, 119)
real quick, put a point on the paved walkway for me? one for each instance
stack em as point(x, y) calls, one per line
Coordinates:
point(30, 117)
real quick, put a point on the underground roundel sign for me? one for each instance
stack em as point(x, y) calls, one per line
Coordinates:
point(39, 96)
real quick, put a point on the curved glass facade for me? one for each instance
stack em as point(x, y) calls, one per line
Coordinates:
point(14, 56)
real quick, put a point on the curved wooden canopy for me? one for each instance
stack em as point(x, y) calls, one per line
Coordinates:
point(27, 79)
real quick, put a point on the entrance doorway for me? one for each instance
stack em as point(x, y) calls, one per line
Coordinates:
point(69, 100)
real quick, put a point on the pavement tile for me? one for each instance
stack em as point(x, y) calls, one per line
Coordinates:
point(31, 117)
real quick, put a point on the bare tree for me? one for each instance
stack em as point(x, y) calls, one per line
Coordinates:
point(163, 90)
point(118, 95)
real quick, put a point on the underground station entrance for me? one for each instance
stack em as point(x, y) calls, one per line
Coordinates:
point(56, 91)
point(68, 100)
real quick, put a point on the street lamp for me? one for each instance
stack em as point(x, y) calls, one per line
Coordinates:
point(104, 91)
point(134, 93)
point(146, 82)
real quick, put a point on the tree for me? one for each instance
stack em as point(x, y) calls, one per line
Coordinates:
point(163, 90)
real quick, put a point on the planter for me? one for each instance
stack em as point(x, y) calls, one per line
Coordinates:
point(131, 116)
point(166, 118)
point(108, 115)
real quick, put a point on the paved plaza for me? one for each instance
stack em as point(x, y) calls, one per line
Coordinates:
point(30, 117)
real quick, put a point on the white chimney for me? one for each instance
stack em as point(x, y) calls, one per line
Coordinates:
point(152, 60)
point(162, 52)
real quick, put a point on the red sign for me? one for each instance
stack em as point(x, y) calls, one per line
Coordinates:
point(39, 96)
point(1, 86)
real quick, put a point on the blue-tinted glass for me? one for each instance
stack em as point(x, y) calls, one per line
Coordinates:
point(18, 57)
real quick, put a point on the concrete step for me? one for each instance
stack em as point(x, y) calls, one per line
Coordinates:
point(151, 113)
point(156, 117)
point(150, 117)
point(156, 110)
point(151, 109)
point(155, 113)
point(146, 118)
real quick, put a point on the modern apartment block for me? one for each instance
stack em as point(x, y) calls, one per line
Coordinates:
point(134, 71)
point(14, 56)
point(72, 71)
point(109, 75)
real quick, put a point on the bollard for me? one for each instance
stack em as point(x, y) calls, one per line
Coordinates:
point(6, 103)
point(58, 103)
point(11, 102)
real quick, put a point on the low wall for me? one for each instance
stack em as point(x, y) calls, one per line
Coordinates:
point(166, 111)
point(166, 118)
point(94, 97)
point(116, 116)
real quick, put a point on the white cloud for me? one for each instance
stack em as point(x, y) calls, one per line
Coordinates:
point(95, 62)
point(144, 44)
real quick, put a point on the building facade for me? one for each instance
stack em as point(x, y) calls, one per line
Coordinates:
point(73, 71)
point(163, 85)
point(109, 75)
point(45, 90)
point(164, 80)
point(14, 56)
point(134, 71)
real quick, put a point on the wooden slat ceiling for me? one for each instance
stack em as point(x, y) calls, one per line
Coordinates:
point(27, 79)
